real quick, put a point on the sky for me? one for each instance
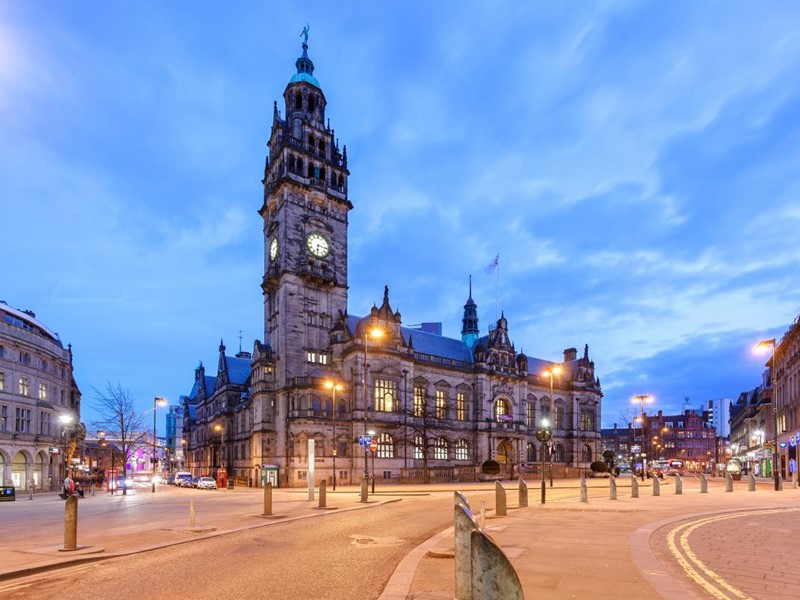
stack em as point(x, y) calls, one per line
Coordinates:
point(635, 165)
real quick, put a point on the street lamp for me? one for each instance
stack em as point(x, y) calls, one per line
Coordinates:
point(642, 399)
point(65, 421)
point(377, 333)
point(761, 346)
point(552, 372)
point(221, 456)
point(372, 434)
point(543, 434)
point(333, 387)
point(157, 401)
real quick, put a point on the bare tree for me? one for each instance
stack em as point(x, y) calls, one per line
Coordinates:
point(121, 421)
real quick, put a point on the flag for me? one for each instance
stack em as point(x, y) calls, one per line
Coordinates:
point(493, 265)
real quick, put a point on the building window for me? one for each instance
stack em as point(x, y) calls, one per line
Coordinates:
point(4, 418)
point(2, 352)
point(587, 454)
point(419, 402)
point(529, 413)
point(419, 447)
point(461, 406)
point(558, 417)
point(587, 420)
point(23, 424)
point(462, 450)
point(502, 411)
point(24, 386)
point(44, 423)
point(24, 358)
point(440, 449)
point(2, 381)
point(385, 393)
point(441, 405)
point(558, 453)
point(385, 446)
point(531, 452)
point(42, 391)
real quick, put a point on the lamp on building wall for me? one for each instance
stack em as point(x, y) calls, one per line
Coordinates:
point(642, 399)
point(333, 387)
point(552, 372)
point(157, 401)
point(763, 345)
point(377, 333)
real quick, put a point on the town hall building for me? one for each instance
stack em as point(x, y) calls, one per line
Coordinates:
point(437, 408)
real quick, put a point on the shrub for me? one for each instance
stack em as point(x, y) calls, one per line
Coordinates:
point(599, 466)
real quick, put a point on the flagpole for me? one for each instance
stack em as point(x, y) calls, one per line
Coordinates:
point(497, 292)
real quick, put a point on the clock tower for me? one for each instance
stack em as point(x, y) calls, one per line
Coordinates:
point(305, 233)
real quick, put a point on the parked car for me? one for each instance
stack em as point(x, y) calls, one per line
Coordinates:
point(193, 482)
point(182, 478)
point(206, 483)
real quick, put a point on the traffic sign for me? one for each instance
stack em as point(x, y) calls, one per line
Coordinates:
point(364, 440)
point(373, 445)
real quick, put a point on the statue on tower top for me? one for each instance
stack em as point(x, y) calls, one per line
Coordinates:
point(304, 34)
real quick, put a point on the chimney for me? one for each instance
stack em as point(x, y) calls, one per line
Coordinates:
point(570, 354)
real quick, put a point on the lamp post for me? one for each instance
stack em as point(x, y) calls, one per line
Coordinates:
point(763, 345)
point(642, 399)
point(372, 434)
point(65, 421)
point(543, 434)
point(157, 401)
point(332, 386)
point(552, 372)
point(221, 455)
point(375, 332)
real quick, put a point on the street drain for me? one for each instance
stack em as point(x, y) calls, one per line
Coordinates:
point(372, 541)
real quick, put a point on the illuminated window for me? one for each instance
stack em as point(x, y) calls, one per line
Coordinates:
point(529, 415)
point(441, 405)
point(440, 449)
point(385, 446)
point(587, 454)
point(24, 386)
point(385, 393)
point(419, 402)
point(462, 450)
point(587, 420)
point(23, 424)
point(4, 418)
point(531, 452)
point(502, 411)
point(2, 381)
point(558, 417)
point(419, 447)
point(461, 406)
point(42, 391)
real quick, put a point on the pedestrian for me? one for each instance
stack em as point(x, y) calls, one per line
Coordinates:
point(68, 489)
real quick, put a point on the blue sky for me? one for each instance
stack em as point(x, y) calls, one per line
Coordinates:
point(635, 164)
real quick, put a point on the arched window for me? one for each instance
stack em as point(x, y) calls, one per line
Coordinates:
point(298, 100)
point(419, 447)
point(322, 147)
point(462, 450)
point(312, 103)
point(558, 453)
point(529, 413)
point(316, 404)
point(558, 416)
point(311, 169)
point(440, 449)
point(340, 408)
point(299, 170)
point(545, 412)
point(311, 142)
point(322, 174)
point(385, 446)
point(291, 163)
point(531, 452)
point(587, 454)
point(341, 182)
point(502, 411)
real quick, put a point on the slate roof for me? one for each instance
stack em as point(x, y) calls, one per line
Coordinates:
point(211, 383)
point(238, 369)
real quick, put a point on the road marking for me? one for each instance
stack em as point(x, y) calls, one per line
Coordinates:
point(710, 581)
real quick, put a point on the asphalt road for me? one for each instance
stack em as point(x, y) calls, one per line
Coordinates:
point(342, 555)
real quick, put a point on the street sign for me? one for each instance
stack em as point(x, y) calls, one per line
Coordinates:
point(364, 440)
point(373, 445)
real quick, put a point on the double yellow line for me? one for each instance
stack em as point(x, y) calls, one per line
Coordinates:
point(678, 544)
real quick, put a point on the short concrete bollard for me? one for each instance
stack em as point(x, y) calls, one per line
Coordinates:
point(612, 488)
point(364, 489)
point(191, 514)
point(322, 494)
point(728, 483)
point(459, 498)
point(500, 506)
point(584, 490)
point(267, 499)
point(634, 487)
point(523, 494)
point(678, 484)
point(71, 523)
point(493, 575)
point(463, 525)
point(30, 491)
point(780, 483)
point(703, 484)
point(751, 482)
point(656, 486)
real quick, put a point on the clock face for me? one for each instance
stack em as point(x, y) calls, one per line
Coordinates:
point(273, 249)
point(317, 245)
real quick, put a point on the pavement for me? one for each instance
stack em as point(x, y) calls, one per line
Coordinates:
point(717, 544)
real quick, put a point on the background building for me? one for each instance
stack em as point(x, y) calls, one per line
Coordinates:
point(787, 392)
point(40, 403)
point(719, 414)
point(438, 408)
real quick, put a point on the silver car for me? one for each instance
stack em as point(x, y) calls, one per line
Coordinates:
point(206, 483)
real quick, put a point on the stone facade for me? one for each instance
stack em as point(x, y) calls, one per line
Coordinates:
point(37, 388)
point(439, 408)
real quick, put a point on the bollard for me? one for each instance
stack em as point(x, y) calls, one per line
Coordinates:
point(499, 499)
point(656, 486)
point(493, 575)
point(612, 488)
point(364, 489)
point(544, 490)
point(459, 498)
point(71, 523)
point(463, 525)
point(91, 488)
point(191, 514)
point(30, 491)
point(751, 482)
point(482, 522)
point(780, 483)
point(322, 494)
point(703, 484)
point(267, 499)
point(523, 494)
point(584, 490)
point(728, 483)
point(634, 487)
point(678, 484)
